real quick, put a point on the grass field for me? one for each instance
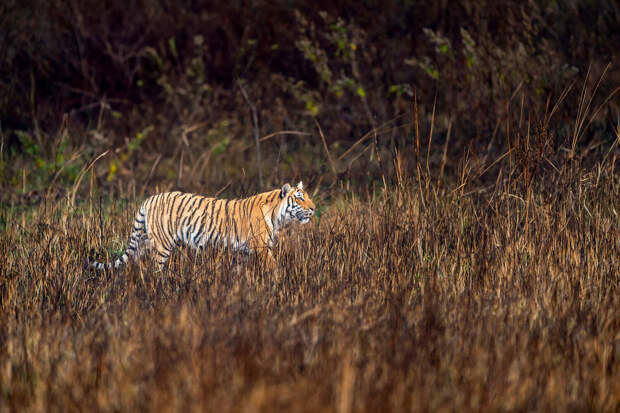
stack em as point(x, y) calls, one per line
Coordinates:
point(463, 158)
point(461, 294)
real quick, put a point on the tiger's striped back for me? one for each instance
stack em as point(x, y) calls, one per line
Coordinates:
point(174, 218)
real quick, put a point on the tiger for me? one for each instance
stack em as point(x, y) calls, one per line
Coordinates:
point(249, 225)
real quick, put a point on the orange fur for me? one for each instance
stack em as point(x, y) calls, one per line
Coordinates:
point(251, 224)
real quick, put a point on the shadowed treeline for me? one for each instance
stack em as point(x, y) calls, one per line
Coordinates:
point(169, 80)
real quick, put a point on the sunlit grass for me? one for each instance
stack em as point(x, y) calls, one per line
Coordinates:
point(417, 298)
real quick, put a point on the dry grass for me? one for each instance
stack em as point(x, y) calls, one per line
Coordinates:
point(500, 298)
point(466, 251)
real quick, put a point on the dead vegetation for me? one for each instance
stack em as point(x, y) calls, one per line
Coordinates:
point(416, 298)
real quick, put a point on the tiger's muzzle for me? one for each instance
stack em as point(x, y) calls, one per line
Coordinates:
point(304, 216)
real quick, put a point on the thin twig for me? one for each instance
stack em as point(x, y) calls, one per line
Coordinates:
point(222, 189)
point(256, 134)
point(370, 133)
point(430, 136)
point(444, 156)
point(148, 178)
point(329, 156)
point(81, 175)
point(465, 182)
point(583, 111)
point(284, 132)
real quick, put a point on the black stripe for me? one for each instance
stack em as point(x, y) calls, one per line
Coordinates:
point(196, 217)
point(235, 220)
point(184, 222)
point(163, 240)
point(210, 238)
point(185, 218)
point(212, 230)
point(226, 208)
point(195, 198)
point(191, 226)
point(214, 216)
point(159, 229)
point(252, 203)
point(164, 254)
point(205, 215)
point(182, 207)
point(198, 233)
point(202, 199)
point(171, 213)
point(168, 242)
point(222, 229)
point(143, 211)
point(246, 203)
point(199, 212)
point(167, 211)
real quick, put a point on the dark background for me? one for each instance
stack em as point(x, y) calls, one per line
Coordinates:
point(85, 76)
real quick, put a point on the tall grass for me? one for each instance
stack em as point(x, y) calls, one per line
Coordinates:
point(496, 289)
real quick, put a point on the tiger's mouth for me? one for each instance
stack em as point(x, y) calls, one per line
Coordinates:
point(304, 216)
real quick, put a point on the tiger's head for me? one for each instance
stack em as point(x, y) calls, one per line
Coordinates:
point(296, 203)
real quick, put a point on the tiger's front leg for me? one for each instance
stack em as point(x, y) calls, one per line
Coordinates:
point(265, 256)
point(260, 241)
point(270, 262)
point(159, 252)
point(263, 251)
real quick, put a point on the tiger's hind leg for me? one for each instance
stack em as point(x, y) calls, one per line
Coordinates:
point(161, 257)
point(138, 242)
point(159, 252)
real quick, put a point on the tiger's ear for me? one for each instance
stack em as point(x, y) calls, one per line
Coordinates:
point(300, 185)
point(285, 190)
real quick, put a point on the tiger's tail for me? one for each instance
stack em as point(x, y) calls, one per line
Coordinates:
point(138, 236)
